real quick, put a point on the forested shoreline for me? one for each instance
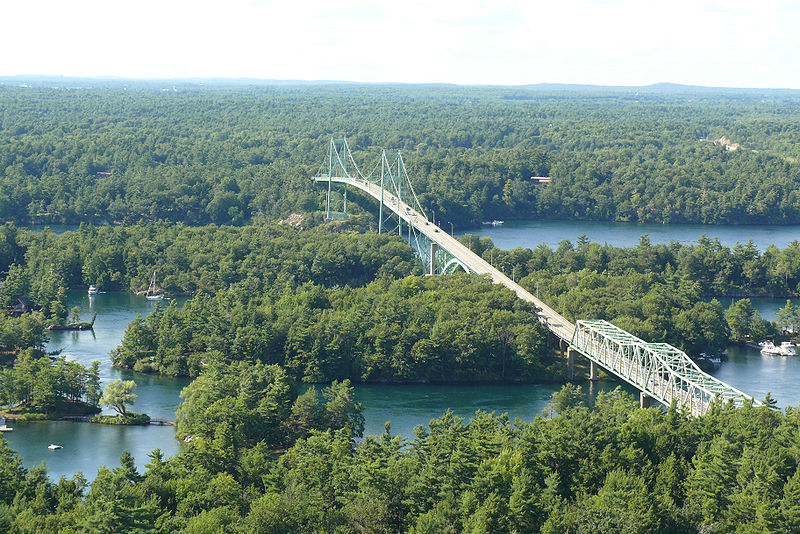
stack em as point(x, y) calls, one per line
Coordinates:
point(332, 304)
point(227, 155)
point(601, 466)
point(187, 183)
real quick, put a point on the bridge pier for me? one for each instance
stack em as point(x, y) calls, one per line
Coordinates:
point(432, 266)
point(570, 363)
point(645, 400)
point(592, 371)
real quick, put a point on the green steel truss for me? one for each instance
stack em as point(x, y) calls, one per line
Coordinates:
point(391, 177)
point(658, 369)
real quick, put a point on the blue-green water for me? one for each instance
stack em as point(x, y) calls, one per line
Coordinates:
point(407, 406)
point(87, 447)
point(531, 234)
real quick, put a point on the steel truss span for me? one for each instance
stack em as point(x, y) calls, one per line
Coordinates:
point(658, 370)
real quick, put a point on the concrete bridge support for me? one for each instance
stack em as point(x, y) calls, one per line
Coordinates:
point(645, 400)
point(592, 371)
point(570, 363)
point(432, 266)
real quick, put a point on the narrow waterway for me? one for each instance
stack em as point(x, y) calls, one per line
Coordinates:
point(407, 406)
point(531, 234)
point(87, 446)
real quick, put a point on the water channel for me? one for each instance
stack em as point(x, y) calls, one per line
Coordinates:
point(531, 234)
point(88, 446)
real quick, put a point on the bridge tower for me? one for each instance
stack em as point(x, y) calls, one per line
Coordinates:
point(338, 162)
point(393, 174)
point(399, 208)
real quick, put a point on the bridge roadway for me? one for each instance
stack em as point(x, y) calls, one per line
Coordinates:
point(557, 324)
point(659, 371)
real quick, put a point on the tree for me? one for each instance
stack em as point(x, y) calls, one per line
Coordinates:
point(341, 408)
point(789, 317)
point(75, 314)
point(740, 316)
point(16, 284)
point(117, 394)
point(93, 390)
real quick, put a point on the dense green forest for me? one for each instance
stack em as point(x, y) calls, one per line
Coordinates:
point(189, 180)
point(307, 291)
point(604, 467)
point(127, 153)
point(441, 329)
point(661, 293)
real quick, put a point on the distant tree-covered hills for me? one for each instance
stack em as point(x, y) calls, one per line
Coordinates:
point(123, 151)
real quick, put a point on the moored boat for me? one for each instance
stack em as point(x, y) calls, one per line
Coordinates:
point(151, 291)
point(768, 348)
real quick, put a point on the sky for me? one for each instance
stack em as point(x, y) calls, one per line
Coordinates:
point(734, 43)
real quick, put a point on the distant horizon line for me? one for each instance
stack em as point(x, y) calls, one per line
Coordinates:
point(291, 81)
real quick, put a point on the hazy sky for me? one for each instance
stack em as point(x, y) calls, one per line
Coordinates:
point(737, 43)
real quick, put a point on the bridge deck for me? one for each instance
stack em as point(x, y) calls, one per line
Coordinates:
point(552, 319)
point(660, 370)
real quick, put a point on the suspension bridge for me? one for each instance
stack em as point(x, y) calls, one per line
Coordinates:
point(659, 371)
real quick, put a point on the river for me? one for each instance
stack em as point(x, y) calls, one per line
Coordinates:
point(87, 446)
point(531, 234)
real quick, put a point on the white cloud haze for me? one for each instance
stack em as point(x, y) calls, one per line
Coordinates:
point(622, 42)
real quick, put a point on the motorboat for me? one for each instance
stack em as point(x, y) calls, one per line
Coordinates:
point(768, 348)
point(54, 447)
point(3, 427)
point(92, 290)
point(151, 291)
point(493, 223)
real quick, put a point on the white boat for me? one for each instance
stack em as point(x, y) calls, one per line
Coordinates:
point(493, 223)
point(93, 290)
point(53, 447)
point(3, 427)
point(768, 348)
point(151, 291)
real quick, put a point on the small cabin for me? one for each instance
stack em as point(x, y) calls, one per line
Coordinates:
point(20, 306)
point(540, 180)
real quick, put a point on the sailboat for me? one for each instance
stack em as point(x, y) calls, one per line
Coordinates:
point(151, 291)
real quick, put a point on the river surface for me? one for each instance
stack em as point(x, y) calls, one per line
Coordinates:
point(531, 234)
point(88, 446)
